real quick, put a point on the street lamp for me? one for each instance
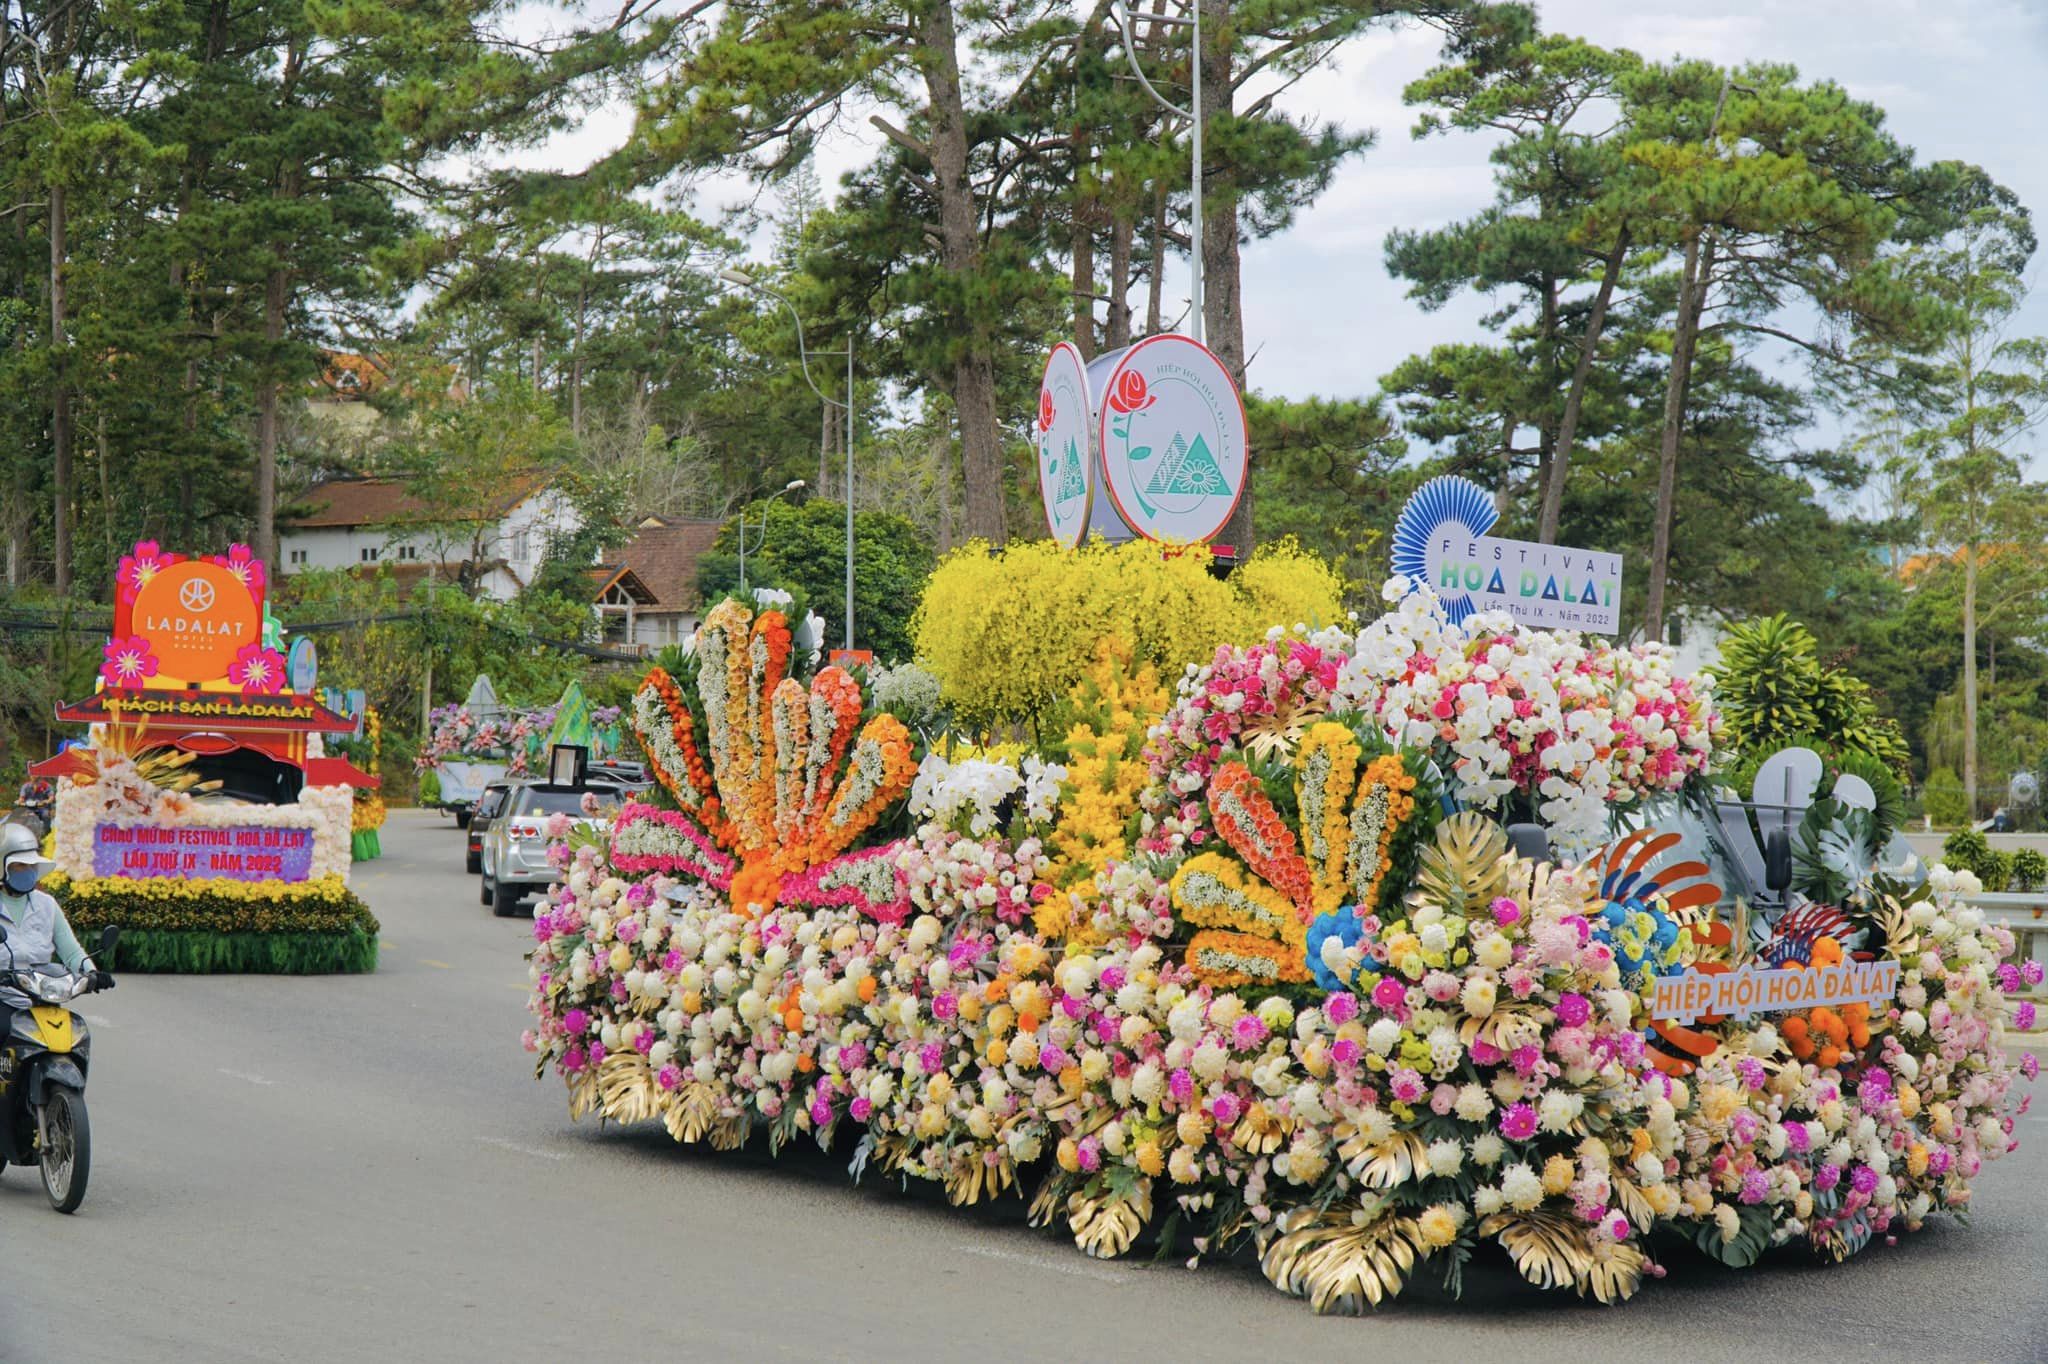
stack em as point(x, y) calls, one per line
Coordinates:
point(735, 275)
point(790, 487)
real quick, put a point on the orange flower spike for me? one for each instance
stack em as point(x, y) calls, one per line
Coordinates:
point(866, 989)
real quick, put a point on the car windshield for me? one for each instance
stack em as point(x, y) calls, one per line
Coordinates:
point(488, 803)
point(537, 800)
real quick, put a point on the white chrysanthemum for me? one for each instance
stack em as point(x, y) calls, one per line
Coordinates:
point(1383, 1036)
point(1521, 1186)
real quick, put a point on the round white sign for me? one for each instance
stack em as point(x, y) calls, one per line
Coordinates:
point(1066, 472)
point(1173, 440)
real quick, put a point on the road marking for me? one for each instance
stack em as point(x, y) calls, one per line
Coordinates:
point(1078, 1271)
point(507, 1145)
point(385, 945)
point(429, 961)
point(245, 1075)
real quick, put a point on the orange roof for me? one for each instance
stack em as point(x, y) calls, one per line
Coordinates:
point(663, 555)
point(381, 501)
point(351, 378)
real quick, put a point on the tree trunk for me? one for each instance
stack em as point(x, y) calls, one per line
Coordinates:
point(1222, 283)
point(974, 377)
point(1683, 338)
point(1575, 398)
point(60, 402)
point(1118, 324)
point(266, 420)
point(1970, 677)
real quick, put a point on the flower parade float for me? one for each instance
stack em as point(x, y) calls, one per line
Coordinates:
point(481, 740)
point(203, 818)
point(1254, 968)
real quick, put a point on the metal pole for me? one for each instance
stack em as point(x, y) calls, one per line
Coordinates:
point(1127, 21)
point(849, 489)
point(1195, 229)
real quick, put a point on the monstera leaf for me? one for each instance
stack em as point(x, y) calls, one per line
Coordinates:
point(1836, 853)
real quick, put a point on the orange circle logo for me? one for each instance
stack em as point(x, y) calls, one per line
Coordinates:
point(195, 616)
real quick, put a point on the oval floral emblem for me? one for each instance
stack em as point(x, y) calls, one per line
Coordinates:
point(1174, 440)
point(1066, 468)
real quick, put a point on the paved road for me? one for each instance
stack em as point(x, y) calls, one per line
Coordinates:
point(362, 1168)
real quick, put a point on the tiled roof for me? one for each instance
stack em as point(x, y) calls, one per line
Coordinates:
point(663, 555)
point(344, 502)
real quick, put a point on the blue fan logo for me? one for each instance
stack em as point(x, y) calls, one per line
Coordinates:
point(1443, 503)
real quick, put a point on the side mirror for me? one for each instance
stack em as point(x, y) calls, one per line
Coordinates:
point(108, 937)
point(1778, 860)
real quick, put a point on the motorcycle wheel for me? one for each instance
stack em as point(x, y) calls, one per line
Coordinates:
point(67, 1149)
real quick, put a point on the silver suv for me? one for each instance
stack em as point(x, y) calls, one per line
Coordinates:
point(515, 851)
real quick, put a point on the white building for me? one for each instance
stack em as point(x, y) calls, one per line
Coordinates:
point(498, 542)
point(645, 591)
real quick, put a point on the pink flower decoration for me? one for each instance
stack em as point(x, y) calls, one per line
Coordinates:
point(128, 661)
point(247, 568)
point(137, 568)
point(257, 669)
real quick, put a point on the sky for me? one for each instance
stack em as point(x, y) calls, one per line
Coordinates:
point(1958, 79)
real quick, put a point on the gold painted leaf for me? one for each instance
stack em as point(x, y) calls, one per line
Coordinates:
point(1548, 1247)
point(973, 1180)
point(1045, 1204)
point(582, 1093)
point(729, 1134)
point(1392, 1162)
point(1632, 1201)
point(1339, 1265)
point(626, 1088)
point(1466, 866)
point(691, 1112)
point(1616, 1272)
point(1554, 1249)
point(1260, 1131)
point(1105, 1225)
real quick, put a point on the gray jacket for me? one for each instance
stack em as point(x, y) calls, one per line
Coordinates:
point(37, 932)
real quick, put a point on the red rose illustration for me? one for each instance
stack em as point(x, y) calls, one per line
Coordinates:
point(1044, 410)
point(1129, 394)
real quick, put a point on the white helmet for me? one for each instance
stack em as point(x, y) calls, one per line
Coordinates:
point(20, 847)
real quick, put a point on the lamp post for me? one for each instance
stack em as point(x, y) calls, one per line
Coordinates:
point(790, 487)
point(1125, 18)
point(734, 275)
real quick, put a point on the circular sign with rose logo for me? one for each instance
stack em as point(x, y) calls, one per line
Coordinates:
point(1066, 464)
point(1173, 440)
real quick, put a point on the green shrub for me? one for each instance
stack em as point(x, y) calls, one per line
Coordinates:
point(1944, 799)
point(1996, 871)
point(2029, 869)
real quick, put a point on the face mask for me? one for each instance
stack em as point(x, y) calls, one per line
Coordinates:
point(22, 880)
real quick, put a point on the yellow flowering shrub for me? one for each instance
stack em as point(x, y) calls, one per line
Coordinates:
point(1109, 711)
point(1009, 633)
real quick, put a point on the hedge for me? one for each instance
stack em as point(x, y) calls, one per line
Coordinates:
point(306, 928)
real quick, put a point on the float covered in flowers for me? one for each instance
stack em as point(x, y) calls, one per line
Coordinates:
point(1254, 966)
point(204, 817)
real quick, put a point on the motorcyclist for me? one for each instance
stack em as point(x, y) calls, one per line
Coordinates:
point(37, 932)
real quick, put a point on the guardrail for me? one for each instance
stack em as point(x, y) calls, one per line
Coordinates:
point(2025, 914)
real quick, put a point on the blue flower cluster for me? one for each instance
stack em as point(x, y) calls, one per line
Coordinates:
point(1347, 928)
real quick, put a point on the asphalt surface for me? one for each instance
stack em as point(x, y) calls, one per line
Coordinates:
point(363, 1168)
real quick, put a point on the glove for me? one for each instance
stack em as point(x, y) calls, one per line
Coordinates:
point(99, 980)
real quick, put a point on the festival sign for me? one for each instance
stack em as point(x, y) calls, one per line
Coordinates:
point(1440, 540)
point(244, 852)
point(184, 623)
point(1066, 453)
point(1173, 438)
point(1751, 990)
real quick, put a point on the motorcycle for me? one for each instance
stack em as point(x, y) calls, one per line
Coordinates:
point(35, 806)
point(43, 1064)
